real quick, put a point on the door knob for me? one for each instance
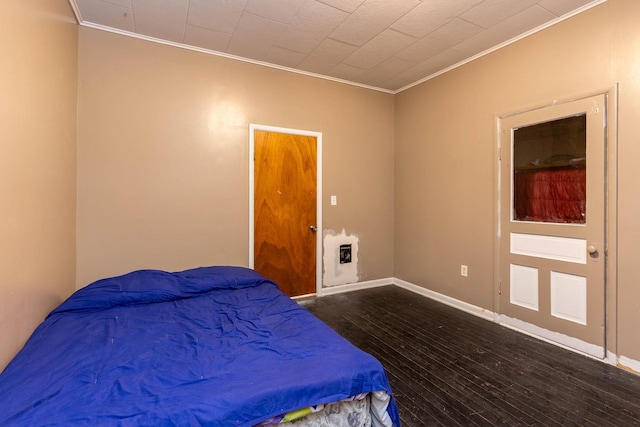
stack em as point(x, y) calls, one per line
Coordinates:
point(592, 249)
point(313, 228)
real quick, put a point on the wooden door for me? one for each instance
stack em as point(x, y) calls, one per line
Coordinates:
point(552, 223)
point(285, 174)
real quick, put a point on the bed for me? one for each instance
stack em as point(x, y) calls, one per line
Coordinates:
point(219, 346)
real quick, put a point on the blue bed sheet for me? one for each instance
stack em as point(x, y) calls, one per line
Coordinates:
point(219, 346)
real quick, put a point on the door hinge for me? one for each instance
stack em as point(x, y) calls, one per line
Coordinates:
point(500, 154)
point(500, 287)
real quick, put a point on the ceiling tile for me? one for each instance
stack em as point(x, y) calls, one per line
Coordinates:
point(394, 83)
point(382, 47)
point(491, 12)
point(390, 67)
point(506, 30)
point(430, 15)
point(284, 57)
point(219, 15)
point(206, 39)
point(254, 36)
point(313, 23)
point(562, 7)
point(280, 11)
point(107, 14)
point(326, 56)
point(344, 5)
point(443, 38)
point(123, 3)
point(421, 50)
point(346, 72)
point(372, 17)
point(431, 66)
point(164, 19)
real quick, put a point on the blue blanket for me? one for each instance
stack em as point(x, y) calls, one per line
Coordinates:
point(218, 346)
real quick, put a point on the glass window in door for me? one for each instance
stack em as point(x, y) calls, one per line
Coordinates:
point(549, 171)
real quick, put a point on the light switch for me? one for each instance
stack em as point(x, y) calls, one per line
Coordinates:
point(334, 200)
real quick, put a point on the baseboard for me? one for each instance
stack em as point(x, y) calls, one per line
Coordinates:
point(629, 364)
point(558, 339)
point(551, 337)
point(460, 305)
point(338, 289)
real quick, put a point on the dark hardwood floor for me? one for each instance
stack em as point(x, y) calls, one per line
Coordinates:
point(447, 367)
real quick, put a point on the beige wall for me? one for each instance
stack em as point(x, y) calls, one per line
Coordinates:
point(444, 165)
point(163, 157)
point(38, 78)
point(163, 168)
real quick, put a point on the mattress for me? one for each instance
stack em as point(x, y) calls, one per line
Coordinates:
point(218, 346)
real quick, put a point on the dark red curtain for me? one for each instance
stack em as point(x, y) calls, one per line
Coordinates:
point(550, 195)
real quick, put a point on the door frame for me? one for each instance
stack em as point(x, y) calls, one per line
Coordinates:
point(318, 135)
point(610, 233)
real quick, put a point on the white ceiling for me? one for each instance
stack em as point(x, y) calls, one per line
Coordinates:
point(388, 45)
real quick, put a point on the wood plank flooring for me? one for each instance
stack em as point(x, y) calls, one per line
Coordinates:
point(447, 367)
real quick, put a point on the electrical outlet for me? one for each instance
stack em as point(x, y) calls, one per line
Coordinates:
point(464, 270)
